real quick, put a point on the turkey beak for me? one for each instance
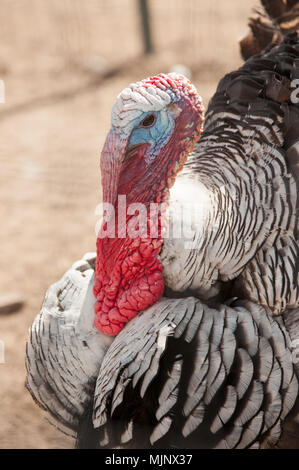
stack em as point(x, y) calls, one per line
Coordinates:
point(112, 157)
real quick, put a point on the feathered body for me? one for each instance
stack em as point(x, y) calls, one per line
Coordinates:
point(244, 167)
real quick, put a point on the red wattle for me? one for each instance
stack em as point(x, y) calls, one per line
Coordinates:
point(128, 279)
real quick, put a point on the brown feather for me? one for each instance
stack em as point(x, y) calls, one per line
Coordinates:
point(278, 19)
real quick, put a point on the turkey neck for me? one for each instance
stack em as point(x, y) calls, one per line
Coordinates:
point(128, 273)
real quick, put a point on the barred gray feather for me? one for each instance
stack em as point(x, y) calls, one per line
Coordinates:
point(65, 351)
point(248, 227)
point(218, 406)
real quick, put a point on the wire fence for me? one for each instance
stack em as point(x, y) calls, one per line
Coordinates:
point(98, 32)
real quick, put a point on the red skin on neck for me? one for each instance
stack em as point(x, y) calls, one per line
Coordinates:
point(128, 276)
point(129, 280)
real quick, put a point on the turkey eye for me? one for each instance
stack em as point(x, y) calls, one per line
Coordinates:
point(148, 121)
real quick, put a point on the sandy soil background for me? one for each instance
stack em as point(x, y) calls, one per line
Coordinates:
point(54, 58)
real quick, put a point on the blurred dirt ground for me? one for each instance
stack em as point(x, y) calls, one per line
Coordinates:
point(54, 58)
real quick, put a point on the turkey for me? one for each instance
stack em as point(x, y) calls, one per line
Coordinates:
point(213, 364)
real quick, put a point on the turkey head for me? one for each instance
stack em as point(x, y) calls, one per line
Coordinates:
point(155, 124)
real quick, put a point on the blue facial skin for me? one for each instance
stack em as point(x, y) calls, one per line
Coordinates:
point(157, 135)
